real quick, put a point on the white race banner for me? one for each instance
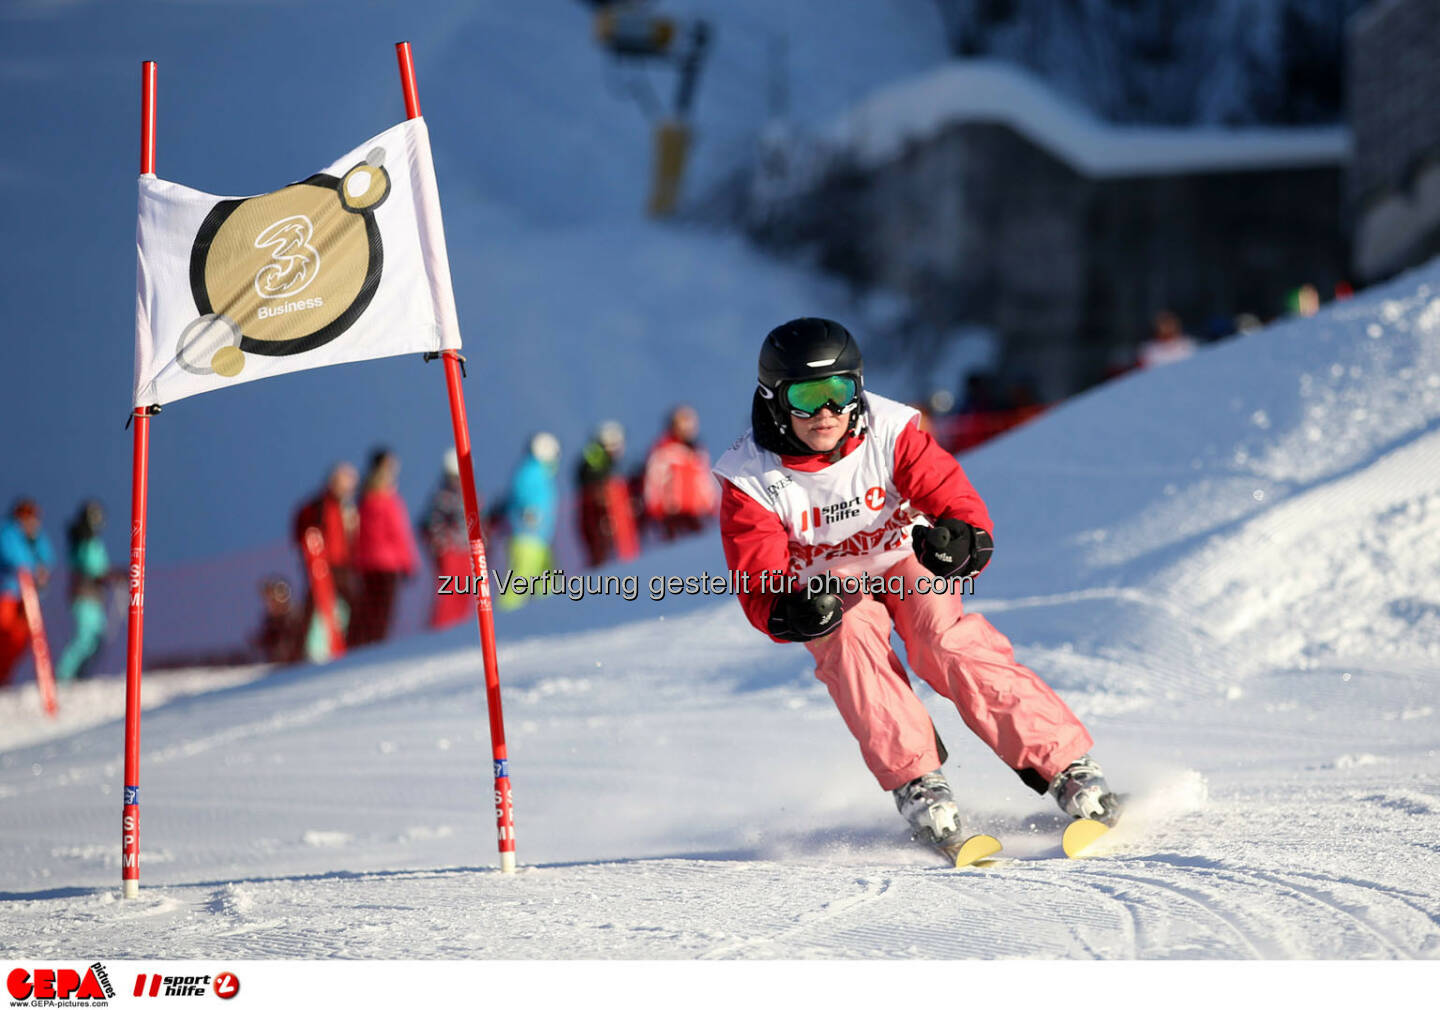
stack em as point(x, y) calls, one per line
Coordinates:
point(346, 265)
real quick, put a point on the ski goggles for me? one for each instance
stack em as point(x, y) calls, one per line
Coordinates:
point(806, 399)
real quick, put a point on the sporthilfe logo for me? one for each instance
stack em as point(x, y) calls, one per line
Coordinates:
point(818, 515)
point(225, 984)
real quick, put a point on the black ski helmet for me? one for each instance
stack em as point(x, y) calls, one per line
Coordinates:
point(802, 349)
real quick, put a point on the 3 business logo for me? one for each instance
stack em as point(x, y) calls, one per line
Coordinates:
point(255, 269)
point(44, 985)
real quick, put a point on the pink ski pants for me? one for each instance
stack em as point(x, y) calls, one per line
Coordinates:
point(964, 659)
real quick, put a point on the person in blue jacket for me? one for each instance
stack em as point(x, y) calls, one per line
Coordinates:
point(90, 575)
point(23, 546)
point(530, 511)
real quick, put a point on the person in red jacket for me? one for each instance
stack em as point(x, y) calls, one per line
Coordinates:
point(384, 550)
point(678, 491)
point(333, 513)
point(841, 519)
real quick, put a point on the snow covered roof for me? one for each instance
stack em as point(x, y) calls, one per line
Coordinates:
point(993, 92)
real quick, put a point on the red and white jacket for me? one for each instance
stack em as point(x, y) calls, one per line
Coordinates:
point(804, 515)
point(677, 480)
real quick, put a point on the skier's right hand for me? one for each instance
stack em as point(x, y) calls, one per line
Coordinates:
point(802, 616)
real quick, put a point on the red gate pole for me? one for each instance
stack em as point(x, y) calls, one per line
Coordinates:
point(484, 611)
point(139, 488)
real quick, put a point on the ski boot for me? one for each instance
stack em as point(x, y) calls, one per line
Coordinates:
point(1082, 792)
point(927, 804)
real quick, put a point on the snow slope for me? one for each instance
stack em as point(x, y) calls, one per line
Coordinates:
point(1228, 567)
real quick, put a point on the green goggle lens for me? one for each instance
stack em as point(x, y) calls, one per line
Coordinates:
point(807, 398)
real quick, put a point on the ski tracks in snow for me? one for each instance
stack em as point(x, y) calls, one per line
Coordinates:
point(808, 922)
point(1262, 913)
point(1105, 908)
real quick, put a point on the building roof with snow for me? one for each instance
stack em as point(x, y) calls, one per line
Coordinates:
point(984, 91)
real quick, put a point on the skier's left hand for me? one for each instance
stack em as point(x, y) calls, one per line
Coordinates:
point(952, 548)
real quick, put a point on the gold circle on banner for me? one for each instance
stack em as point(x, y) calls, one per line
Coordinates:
point(287, 264)
point(228, 361)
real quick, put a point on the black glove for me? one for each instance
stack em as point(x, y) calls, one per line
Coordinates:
point(952, 548)
point(800, 617)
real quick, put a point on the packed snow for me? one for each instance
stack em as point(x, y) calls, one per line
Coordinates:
point(1227, 566)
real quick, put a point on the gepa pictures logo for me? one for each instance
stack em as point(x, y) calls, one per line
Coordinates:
point(37, 987)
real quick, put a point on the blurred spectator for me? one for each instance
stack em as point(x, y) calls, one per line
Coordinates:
point(679, 492)
point(1218, 327)
point(938, 416)
point(1024, 402)
point(607, 518)
point(1248, 322)
point(90, 575)
point(384, 550)
point(530, 510)
point(446, 538)
point(1169, 343)
point(282, 632)
point(979, 395)
point(332, 512)
point(23, 545)
point(981, 415)
point(1305, 300)
point(987, 411)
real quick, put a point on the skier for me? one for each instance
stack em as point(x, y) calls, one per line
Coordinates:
point(832, 480)
point(384, 550)
point(281, 637)
point(1169, 344)
point(90, 574)
point(530, 508)
point(443, 531)
point(331, 511)
point(607, 519)
point(679, 494)
point(23, 545)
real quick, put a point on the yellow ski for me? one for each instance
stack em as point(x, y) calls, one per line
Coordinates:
point(975, 849)
point(1080, 835)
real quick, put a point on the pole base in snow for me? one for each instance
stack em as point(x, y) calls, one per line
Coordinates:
point(130, 889)
point(507, 862)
